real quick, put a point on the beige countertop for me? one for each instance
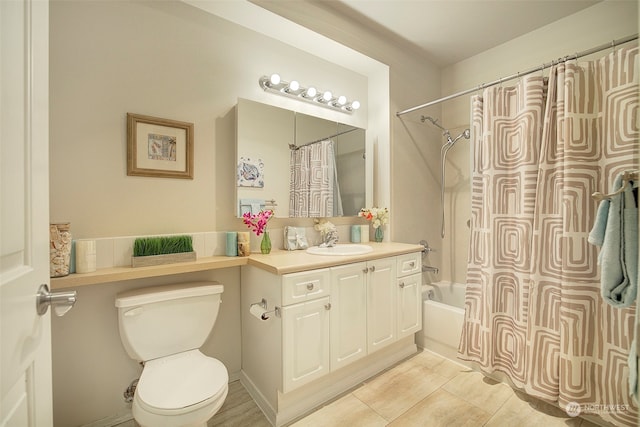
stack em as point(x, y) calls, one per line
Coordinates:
point(277, 262)
point(283, 262)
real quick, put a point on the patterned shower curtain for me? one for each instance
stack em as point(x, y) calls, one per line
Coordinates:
point(533, 309)
point(313, 187)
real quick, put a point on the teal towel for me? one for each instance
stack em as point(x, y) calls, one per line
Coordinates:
point(616, 232)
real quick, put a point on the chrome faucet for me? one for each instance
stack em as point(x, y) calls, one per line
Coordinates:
point(330, 238)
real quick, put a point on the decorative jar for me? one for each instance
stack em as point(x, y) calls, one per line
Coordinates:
point(59, 249)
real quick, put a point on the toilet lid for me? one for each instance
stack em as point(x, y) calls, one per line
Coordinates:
point(181, 380)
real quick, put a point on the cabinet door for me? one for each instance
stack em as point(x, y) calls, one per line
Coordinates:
point(381, 303)
point(305, 342)
point(409, 305)
point(348, 314)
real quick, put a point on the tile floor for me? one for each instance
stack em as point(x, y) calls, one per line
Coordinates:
point(424, 390)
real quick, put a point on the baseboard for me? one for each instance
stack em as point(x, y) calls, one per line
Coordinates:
point(268, 411)
point(111, 421)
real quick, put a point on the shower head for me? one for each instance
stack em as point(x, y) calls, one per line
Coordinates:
point(466, 134)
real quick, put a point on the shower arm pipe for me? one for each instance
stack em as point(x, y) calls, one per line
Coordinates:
point(482, 86)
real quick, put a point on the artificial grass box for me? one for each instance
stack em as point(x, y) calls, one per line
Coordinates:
point(162, 250)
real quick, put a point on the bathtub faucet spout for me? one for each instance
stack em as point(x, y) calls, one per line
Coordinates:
point(430, 269)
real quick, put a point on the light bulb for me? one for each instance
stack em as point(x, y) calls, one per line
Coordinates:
point(294, 85)
point(311, 92)
point(275, 79)
point(327, 96)
point(342, 100)
point(355, 105)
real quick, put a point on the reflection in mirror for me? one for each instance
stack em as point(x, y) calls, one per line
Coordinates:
point(271, 139)
point(351, 158)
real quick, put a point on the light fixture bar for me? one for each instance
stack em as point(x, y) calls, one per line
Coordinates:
point(293, 89)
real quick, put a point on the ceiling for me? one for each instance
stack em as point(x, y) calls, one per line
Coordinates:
point(448, 31)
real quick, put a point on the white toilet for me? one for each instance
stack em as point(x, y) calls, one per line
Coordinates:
point(164, 327)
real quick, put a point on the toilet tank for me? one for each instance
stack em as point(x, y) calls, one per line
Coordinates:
point(163, 320)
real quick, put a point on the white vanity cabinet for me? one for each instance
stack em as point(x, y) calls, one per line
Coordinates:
point(333, 328)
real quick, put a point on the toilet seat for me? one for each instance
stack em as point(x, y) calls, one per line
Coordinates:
point(181, 383)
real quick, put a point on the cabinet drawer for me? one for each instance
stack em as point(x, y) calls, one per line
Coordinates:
point(409, 264)
point(305, 286)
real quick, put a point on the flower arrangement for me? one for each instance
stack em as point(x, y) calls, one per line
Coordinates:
point(257, 222)
point(377, 216)
point(323, 226)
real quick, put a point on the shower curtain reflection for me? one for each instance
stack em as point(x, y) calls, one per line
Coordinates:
point(533, 305)
point(313, 186)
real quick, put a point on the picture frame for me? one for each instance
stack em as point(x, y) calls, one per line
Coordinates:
point(160, 148)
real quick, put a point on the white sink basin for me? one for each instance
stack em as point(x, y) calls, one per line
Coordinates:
point(344, 249)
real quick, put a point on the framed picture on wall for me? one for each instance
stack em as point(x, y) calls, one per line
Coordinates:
point(159, 147)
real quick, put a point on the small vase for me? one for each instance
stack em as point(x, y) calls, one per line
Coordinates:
point(378, 234)
point(265, 244)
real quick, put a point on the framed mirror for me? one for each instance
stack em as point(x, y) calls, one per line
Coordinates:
point(266, 137)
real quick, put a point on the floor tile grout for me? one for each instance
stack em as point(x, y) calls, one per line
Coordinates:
point(389, 387)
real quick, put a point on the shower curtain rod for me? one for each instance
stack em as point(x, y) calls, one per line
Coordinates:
point(297, 147)
point(612, 44)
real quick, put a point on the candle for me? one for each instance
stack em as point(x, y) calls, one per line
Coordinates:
point(355, 234)
point(85, 256)
point(364, 233)
point(232, 243)
point(244, 246)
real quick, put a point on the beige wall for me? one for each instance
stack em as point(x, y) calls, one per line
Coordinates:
point(169, 60)
point(414, 167)
point(594, 26)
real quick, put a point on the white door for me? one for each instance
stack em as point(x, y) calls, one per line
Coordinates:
point(348, 320)
point(25, 337)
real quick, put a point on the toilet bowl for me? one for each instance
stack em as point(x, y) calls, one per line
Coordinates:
point(164, 327)
point(184, 389)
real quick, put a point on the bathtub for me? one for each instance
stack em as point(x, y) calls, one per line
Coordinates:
point(442, 317)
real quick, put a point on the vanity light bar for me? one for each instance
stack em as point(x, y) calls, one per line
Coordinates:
point(293, 89)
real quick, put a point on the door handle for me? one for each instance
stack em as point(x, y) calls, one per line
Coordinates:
point(63, 301)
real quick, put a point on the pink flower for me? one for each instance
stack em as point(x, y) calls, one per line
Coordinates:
point(257, 222)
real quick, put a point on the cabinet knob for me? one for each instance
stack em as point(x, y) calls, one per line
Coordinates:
point(401, 284)
point(412, 264)
point(365, 270)
point(310, 286)
point(372, 268)
point(327, 306)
